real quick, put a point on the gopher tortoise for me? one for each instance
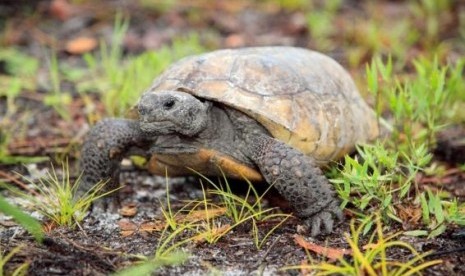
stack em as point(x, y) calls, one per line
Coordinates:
point(273, 114)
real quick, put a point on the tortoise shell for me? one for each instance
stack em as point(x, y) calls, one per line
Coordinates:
point(302, 97)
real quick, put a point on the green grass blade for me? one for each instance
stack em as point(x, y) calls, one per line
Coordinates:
point(28, 222)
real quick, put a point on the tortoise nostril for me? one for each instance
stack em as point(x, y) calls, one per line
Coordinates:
point(143, 110)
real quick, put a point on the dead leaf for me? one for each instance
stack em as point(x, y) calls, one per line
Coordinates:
point(234, 41)
point(331, 253)
point(437, 180)
point(49, 226)
point(409, 213)
point(81, 45)
point(127, 227)
point(215, 232)
point(199, 215)
point(8, 223)
point(128, 210)
point(152, 226)
point(61, 9)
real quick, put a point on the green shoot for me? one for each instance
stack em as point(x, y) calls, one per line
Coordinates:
point(26, 221)
point(435, 213)
point(111, 57)
point(212, 231)
point(168, 214)
point(58, 99)
point(117, 80)
point(320, 23)
point(430, 13)
point(150, 265)
point(237, 207)
point(168, 253)
point(455, 211)
point(57, 197)
point(255, 231)
point(19, 64)
point(168, 245)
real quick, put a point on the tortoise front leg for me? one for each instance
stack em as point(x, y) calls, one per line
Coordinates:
point(298, 179)
point(104, 147)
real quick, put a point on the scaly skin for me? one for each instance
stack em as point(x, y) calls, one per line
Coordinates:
point(295, 175)
point(104, 148)
point(298, 180)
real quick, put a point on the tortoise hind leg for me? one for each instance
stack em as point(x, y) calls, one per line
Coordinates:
point(299, 180)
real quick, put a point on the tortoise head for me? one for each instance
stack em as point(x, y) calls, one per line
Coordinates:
point(168, 112)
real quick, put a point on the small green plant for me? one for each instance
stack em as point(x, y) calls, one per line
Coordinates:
point(179, 221)
point(57, 99)
point(121, 80)
point(11, 93)
point(173, 219)
point(289, 5)
point(168, 213)
point(455, 211)
point(169, 244)
point(159, 6)
point(20, 270)
point(209, 229)
point(436, 212)
point(17, 63)
point(380, 179)
point(150, 265)
point(111, 56)
point(167, 253)
point(260, 241)
point(21, 71)
point(433, 213)
point(429, 12)
point(371, 258)
point(56, 197)
point(320, 24)
point(385, 174)
point(420, 106)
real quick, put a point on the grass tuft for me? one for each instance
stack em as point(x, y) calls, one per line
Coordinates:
point(371, 258)
point(56, 197)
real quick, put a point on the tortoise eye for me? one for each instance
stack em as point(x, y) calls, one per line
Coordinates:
point(169, 104)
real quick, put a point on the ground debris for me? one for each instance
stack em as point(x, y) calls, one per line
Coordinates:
point(331, 253)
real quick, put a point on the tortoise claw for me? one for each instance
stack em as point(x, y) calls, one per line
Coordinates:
point(324, 221)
